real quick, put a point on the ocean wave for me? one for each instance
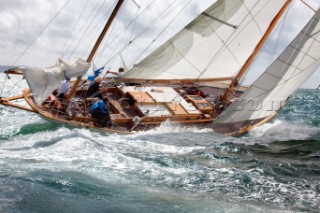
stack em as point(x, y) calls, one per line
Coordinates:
point(282, 130)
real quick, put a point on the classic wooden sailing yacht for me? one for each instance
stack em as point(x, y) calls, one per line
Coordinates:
point(211, 54)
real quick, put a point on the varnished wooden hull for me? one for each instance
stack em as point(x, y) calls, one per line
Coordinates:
point(204, 121)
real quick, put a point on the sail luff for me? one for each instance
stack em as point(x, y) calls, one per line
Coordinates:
point(245, 67)
point(270, 92)
point(98, 42)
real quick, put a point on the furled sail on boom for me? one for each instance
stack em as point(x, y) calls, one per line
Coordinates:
point(214, 46)
point(268, 94)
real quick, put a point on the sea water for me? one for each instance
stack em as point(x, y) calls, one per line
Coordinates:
point(45, 167)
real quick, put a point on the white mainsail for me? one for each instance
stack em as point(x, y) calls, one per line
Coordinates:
point(213, 46)
point(268, 94)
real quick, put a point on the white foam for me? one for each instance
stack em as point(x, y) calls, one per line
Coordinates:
point(259, 131)
point(280, 130)
point(173, 127)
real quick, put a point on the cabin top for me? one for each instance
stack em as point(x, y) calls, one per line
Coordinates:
point(159, 101)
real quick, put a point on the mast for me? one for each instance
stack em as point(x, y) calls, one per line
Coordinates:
point(98, 42)
point(245, 67)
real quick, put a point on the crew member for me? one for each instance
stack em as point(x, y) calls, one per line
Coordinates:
point(100, 112)
point(93, 90)
point(64, 89)
point(119, 73)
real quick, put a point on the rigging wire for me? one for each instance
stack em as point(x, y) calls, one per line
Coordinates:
point(164, 29)
point(66, 44)
point(120, 38)
point(282, 26)
point(294, 74)
point(228, 41)
point(215, 56)
point(45, 27)
point(201, 73)
point(176, 51)
point(136, 3)
point(82, 28)
point(14, 85)
point(158, 18)
point(133, 28)
point(141, 33)
point(116, 37)
point(279, 28)
point(102, 21)
point(113, 26)
point(90, 24)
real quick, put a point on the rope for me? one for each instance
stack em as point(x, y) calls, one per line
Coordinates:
point(45, 27)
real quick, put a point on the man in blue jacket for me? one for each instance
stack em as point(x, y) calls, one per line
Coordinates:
point(100, 112)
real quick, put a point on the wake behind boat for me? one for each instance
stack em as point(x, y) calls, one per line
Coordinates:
point(194, 78)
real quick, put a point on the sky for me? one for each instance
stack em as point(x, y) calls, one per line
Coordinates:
point(37, 32)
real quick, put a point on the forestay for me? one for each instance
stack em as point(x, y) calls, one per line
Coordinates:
point(213, 46)
point(265, 97)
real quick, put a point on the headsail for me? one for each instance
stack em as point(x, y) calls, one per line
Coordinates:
point(268, 94)
point(213, 46)
point(43, 82)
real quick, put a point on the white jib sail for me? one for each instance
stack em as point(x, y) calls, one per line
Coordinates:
point(43, 82)
point(213, 46)
point(266, 96)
